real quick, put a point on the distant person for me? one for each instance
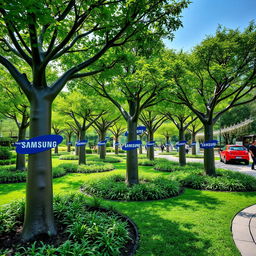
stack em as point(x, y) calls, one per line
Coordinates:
point(252, 151)
point(162, 148)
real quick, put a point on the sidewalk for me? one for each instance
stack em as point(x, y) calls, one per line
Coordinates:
point(244, 231)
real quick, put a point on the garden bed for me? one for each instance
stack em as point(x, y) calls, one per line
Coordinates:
point(115, 188)
point(83, 229)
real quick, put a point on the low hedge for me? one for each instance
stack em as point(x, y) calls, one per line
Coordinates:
point(90, 168)
point(8, 174)
point(224, 181)
point(5, 153)
point(8, 161)
point(87, 230)
point(115, 188)
point(146, 162)
point(69, 157)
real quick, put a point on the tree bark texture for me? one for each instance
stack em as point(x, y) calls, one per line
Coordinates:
point(102, 148)
point(82, 151)
point(132, 176)
point(151, 155)
point(209, 162)
point(39, 195)
point(182, 149)
point(21, 158)
point(167, 143)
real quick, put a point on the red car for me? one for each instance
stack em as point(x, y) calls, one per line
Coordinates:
point(234, 153)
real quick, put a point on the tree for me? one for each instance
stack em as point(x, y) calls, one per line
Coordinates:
point(102, 125)
point(117, 130)
point(136, 86)
point(194, 128)
point(218, 75)
point(14, 106)
point(41, 34)
point(167, 130)
point(180, 117)
point(84, 112)
point(152, 121)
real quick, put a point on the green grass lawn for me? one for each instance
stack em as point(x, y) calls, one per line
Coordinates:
point(196, 223)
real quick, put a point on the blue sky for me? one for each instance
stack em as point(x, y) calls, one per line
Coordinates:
point(202, 17)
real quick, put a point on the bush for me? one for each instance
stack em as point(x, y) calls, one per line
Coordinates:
point(194, 177)
point(146, 162)
point(115, 188)
point(95, 168)
point(107, 159)
point(8, 161)
point(8, 174)
point(88, 231)
point(69, 157)
point(5, 153)
point(88, 151)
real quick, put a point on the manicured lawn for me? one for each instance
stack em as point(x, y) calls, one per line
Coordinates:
point(196, 223)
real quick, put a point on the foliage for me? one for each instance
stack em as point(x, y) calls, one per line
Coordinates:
point(5, 153)
point(95, 168)
point(146, 162)
point(68, 157)
point(8, 161)
point(114, 188)
point(89, 231)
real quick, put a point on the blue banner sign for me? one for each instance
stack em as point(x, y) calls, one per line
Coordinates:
point(209, 144)
point(69, 143)
point(81, 143)
point(181, 143)
point(193, 143)
point(38, 144)
point(150, 143)
point(140, 130)
point(117, 143)
point(132, 145)
point(102, 143)
point(107, 138)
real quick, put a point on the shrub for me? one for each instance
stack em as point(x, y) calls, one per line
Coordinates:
point(107, 159)
point(9, 174)
point(88, 151)
point(5, 153)
point(146, 162)
point(88, 231)
point(94, 168)
point(115, 188)
point(69, 157)
point(8, 161)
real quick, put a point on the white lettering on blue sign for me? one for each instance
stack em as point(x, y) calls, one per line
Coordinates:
point(209, 144)
point(132, 145)
point(38, 144)
point(181, 143)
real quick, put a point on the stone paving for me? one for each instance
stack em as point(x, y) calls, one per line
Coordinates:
point(244, 223)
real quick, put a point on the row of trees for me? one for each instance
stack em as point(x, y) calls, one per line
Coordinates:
point(112, 49)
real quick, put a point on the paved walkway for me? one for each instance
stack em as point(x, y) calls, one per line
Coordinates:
point(244, 231)
point(246, 169)
point(244, 223)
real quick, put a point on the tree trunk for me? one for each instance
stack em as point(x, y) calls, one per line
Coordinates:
point(182, 149)
point(56, 150)
point(39, 218)
point(68, 143)
point(193, 137)
point(132, 176)
point(77, 148)
point(103, 147)
point(116, 146)
point(151, 155)
point(209, 163)
point(140, 148)
point(21, 158)
point(82, 152)
point(167, 143)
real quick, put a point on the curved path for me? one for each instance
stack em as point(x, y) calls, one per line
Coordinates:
point(246, 169)
point(244, 223)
